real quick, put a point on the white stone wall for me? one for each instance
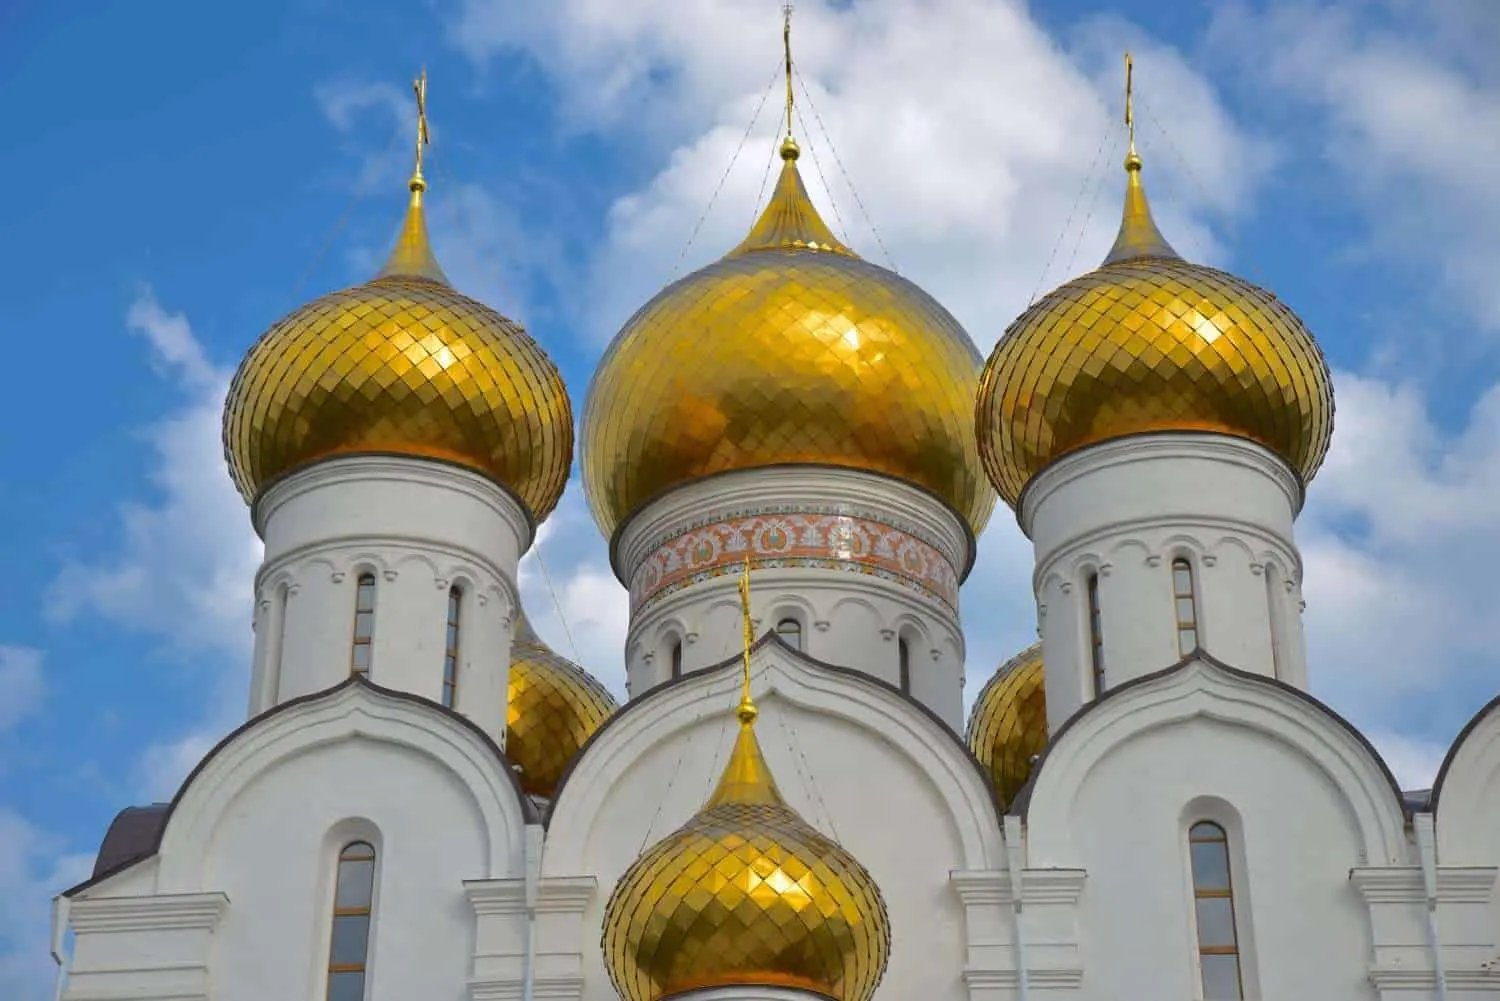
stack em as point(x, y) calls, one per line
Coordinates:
point(420, 528)
point(1124, 511)
point(847, 617)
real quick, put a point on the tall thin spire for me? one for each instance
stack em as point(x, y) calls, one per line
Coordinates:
point(789, 148)
point(412, 256)
point(746, 711)
point(1138, 236)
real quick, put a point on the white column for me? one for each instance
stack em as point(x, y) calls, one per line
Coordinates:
point(859, 563)
point(1125, 511)
point(418, 527)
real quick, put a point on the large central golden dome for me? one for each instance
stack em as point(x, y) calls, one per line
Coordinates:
point(790, 349)
point(1150, 342)
point(746, 893)
point(402, 365)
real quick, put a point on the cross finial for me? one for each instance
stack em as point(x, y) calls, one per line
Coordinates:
point(786, 41)
point(419, 86)
point(746, 711)
point(1130, 101)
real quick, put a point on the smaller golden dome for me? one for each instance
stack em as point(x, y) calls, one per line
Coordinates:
point(553, 708)
point(1008, 725)
point(746, 893)
point(1150, 342)
point(402, 365)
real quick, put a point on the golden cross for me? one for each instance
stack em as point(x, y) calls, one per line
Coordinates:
point(745, 702)
point(786, 41)
point(1130, 99)
point(419, 85)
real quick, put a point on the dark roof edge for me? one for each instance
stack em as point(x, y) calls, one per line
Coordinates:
point(771, 638)
point(1022, 803)
point(528, 808)
point(1493, 705)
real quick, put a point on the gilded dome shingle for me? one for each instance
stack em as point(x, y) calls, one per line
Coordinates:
point(553, 707)
point(746, 893)
point(1150, 342)
point(1008, 724)
point(402, 365)
point(790, 349)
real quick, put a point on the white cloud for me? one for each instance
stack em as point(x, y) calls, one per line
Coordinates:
point(1410, 113)
point(21, 686)
point(32, 871)
point(967, 130)
point(186, 560)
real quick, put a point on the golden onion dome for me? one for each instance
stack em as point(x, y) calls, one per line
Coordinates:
point(789, 349)
point(746, 893)
point(1008, 724)
point(553, 708)
point(1150, 342)
point(402, 365)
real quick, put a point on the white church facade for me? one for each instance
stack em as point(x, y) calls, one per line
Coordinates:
point(427, 803)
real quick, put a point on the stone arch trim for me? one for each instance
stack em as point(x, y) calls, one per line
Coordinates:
point(1201, 686)
point(355, 707)
point(874, 705)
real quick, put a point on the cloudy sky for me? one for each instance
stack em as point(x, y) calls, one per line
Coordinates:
point(182, 174)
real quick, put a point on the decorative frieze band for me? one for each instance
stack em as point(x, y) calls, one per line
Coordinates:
point(853, 543)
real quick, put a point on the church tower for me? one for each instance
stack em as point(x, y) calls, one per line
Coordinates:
point(1155, 423)
point(398, 443)
point(797, 404)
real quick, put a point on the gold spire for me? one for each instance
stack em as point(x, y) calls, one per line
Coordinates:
point(412, 256)
point(789, 150)
point(1138, 236)
point(747, 778)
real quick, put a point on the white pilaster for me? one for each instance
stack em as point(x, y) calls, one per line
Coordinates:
point(419, 528)
point(1120, 513)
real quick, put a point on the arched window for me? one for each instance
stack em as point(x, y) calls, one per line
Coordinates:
point(353, 896)
point(1213, 905)
point(450, 649)
point(903, 650)
point(364, 624)
point(1187, 607)
point(677, 658)
point(1096, 636)
point(790, 631)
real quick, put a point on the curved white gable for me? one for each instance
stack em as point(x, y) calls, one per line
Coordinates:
point(1468, 794)
point(859, 761)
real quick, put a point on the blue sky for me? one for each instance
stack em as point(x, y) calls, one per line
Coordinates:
point(182, 174)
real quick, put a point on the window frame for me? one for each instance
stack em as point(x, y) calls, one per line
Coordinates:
point(452, 644)
point(674, 658)
point(903, 664)
point(1194, 623)
point(790, 625)
point(366, 642)
point(1094, 616)
point(1204, 831)
point(356, 850)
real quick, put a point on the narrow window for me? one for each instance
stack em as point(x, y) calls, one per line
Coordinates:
point(790, 631)
point(364, 623)
point(1187, 607)
point(350, 946)
point(1096, 635)
point(450, 649)
point(1273, 610)
point(677, 658)
point(904, 652)
point(1213, 904)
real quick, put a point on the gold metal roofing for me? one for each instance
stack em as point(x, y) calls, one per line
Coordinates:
point(746, 892)
point(402, 365)
point(1150, 342)
point(790, 349)
point(553, 708)
point(1008, 724)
